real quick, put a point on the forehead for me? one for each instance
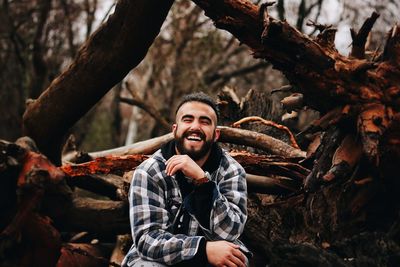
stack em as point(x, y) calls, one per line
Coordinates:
point(196, 109)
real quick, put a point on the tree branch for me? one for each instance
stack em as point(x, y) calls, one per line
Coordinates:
point(153, 112)
point(258, 140)
point(360, 38)
point(269, 123)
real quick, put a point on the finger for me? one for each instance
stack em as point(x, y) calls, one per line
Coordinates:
point(167, 167)
point(172, 158)
point(237, 260)
point(231, 263)
point(170, 165)
point(237, 253)
point(233, 245)
point(176, 167)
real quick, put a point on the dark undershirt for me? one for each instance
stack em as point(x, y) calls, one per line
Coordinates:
point(201, 200)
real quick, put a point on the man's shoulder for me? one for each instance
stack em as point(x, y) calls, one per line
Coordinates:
point(228, 163)
point(154, 162)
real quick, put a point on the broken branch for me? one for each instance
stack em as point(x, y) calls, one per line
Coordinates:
point(269, 123)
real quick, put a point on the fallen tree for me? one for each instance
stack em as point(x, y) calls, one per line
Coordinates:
point(39, 201)
point(346, 213)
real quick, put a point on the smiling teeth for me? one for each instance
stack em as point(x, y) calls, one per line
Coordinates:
point(195, 138)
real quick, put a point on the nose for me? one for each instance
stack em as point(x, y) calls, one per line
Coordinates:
point(195, 125)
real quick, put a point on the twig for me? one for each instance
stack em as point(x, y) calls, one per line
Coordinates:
point(269, 123)
point(359, 39)
point(150, 109)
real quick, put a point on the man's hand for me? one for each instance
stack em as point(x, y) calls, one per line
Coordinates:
point(224, 253)
point(185, 164)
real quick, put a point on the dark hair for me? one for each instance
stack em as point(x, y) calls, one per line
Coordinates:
point(199, 97)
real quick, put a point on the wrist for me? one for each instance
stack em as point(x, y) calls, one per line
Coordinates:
point(205, 179)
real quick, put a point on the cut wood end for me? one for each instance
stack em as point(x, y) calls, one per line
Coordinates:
point(35, 163)
point(313, 146)
point(350, 151)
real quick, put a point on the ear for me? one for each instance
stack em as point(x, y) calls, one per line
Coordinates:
point(174, 126)
point(217, 134)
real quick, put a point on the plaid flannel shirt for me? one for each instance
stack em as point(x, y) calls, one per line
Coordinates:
point(155, 198)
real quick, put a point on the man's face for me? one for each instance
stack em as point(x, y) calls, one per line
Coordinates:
point(195, 129)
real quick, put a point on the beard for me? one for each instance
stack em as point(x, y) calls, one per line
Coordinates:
point(192, 153)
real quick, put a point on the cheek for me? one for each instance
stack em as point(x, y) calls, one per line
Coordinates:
point(179, 130)
point(210, 134)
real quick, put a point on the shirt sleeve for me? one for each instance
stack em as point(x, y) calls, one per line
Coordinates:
point(150, 222)
point(228, 209)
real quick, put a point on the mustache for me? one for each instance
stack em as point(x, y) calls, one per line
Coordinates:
point(201, 134)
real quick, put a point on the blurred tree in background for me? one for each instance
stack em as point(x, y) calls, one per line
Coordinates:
point(39, 38)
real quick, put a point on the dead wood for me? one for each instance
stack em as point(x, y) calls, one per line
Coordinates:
point(277, 185)
point(349, 199)
point(292, 102)
point(82, 255)
point(320, 73)
point(146, 147)
point(270, 174)
point(228, 135)
point(103, 217)
point(121, 248)
point(346, 156)
point(261, 141)
point(269, 123)
point(30, 182)
point(324, 154)
point(347, 195)
point(110, 185)
point(360, 38)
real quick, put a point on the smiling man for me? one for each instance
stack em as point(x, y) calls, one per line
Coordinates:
point(188, 201)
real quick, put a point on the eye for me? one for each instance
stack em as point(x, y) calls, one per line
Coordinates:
point(205, 122)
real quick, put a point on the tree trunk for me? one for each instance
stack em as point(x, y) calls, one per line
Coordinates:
point(344, 212)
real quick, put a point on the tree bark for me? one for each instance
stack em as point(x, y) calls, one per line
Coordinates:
point(103, 217)
point(228, 135)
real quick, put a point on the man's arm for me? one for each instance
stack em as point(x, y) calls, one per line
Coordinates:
point(226, 203)
point(220, 209)
point(227, 208)
point(150, 220)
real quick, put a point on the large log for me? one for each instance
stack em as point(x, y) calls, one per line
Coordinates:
point(341, 206)
point(266, 174)
point(104, 217)
point(228, 135)
point(104, 60)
